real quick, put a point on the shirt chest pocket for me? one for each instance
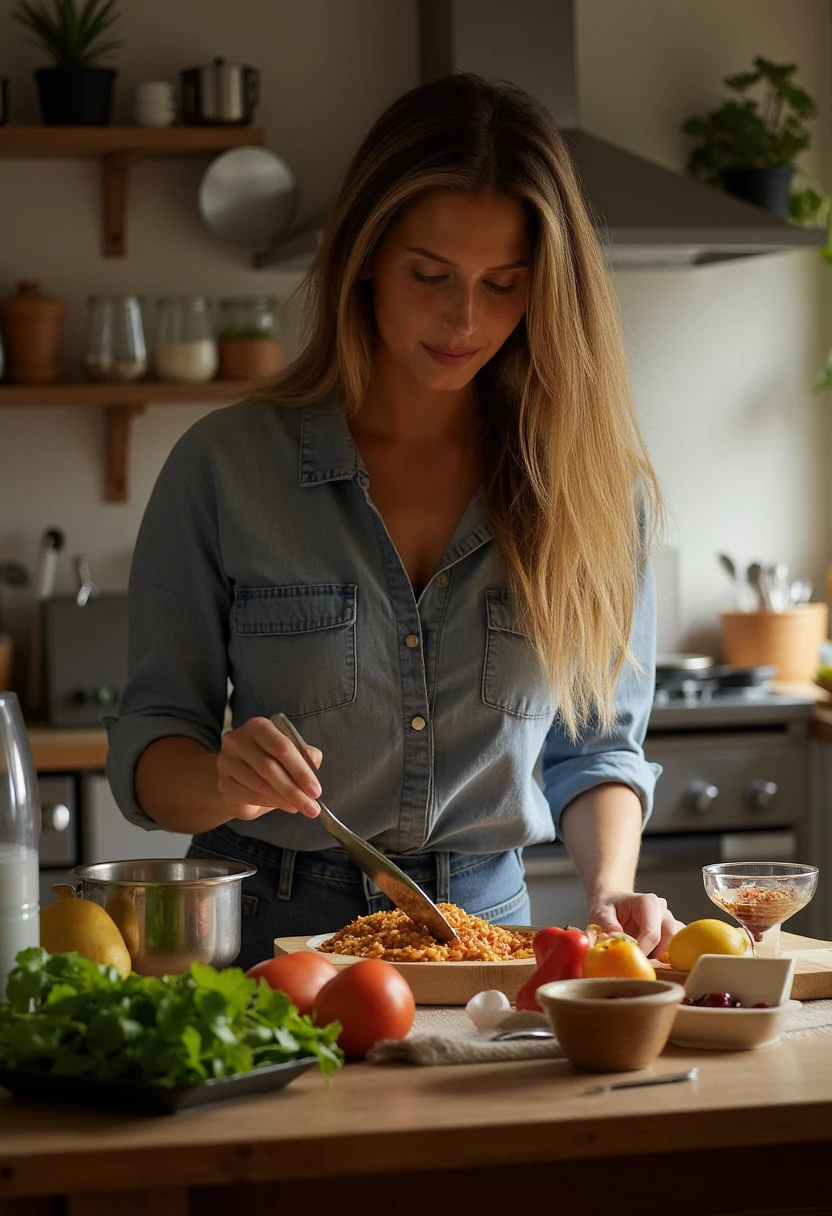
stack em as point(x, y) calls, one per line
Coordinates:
point(296, 646)
point(513, 678)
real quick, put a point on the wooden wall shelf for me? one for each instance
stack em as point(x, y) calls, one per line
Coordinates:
point(121, 403)
point(119, 149)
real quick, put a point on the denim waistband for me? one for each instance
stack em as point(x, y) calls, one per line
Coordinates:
point(336, 865)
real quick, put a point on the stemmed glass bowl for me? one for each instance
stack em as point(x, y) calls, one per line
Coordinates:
point(760, 895)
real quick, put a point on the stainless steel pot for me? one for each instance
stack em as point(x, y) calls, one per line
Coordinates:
point(219, 94)
point(171, 913)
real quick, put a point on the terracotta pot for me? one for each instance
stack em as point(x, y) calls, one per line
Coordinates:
point(789, 641)
point(250, 359)
point(31, 324)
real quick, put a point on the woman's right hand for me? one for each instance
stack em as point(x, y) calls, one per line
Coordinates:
point(260, 770)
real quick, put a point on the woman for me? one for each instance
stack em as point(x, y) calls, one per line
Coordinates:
point(427, 546)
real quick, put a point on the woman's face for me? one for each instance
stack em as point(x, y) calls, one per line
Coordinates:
point(449, 285)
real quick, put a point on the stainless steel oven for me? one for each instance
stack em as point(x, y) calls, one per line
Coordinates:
point(60, 845)
point(734, 787)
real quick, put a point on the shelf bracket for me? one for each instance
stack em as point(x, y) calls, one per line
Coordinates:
point(116, 178)
point(119, 420)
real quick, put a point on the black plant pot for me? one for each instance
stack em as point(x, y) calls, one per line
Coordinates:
point(768, 187)
point(75, 97)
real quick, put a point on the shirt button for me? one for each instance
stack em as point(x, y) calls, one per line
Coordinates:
point(411, 640)
point(442, 579)
point(418, 723)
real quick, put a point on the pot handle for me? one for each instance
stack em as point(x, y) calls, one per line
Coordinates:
point(65, 888)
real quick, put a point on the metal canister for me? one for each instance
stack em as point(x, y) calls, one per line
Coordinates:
point(219, 94)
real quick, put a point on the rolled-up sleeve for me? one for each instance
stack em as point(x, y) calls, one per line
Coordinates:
point(570, 768)
point(178, 612)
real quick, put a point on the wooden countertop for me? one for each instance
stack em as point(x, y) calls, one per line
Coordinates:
point(473, 1121)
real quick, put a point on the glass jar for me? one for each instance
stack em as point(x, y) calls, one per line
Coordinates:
point(19, 829)
point(249, 338)
point(115, 347)
point(185, 348)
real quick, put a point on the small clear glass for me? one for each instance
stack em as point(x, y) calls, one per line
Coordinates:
point(115, 345)
point(248, 330)
point(185, 348)
point(760, 895)
point(19, 831)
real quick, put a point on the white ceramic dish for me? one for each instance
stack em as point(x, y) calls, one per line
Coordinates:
point(749, 980)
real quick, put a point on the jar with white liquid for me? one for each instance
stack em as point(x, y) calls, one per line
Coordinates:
point(186, 349)
point(19, 830)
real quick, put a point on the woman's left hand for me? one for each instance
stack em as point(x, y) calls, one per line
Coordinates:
point(647, 918)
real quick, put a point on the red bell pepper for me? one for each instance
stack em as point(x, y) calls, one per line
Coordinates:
point(559, 954)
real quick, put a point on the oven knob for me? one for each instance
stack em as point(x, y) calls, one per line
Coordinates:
point(79, 697)
point(105, 694)
point(700, 795)
point(760, 794)
point(56, 818)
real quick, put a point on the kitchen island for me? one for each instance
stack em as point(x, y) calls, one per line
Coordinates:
point(750, 1135)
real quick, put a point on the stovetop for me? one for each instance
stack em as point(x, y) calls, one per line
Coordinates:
point(735, 707)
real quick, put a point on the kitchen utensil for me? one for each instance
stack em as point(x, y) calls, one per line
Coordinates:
point(778, 582)
point(171, 911)
point(731, 570)
point(395, 884)
point(434, 983)
point(219, 94)
point(607, 1035)
point(800, 591)
point(760, 895)
point(248, 196)
point(51, 543)
point(669, 1078)
point(526, 1032)
point(756, 580)
point(86, 587)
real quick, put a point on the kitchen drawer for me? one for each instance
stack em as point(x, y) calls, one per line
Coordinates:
point(735, 781)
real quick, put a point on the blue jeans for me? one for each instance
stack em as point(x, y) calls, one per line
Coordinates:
point(296, 893)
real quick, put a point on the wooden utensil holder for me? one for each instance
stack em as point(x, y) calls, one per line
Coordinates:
point(786, 640)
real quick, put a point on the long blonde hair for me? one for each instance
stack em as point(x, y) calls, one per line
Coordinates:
point(567, 481)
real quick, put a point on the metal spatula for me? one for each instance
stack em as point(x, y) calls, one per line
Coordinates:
point(395, 884)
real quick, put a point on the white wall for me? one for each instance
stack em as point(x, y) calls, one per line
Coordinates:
point(723, 358)
point(328, 67)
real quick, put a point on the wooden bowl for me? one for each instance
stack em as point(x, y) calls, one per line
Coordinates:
point(604, 1035)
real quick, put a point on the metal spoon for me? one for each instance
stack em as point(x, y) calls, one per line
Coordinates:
point(395, 884)
point(86, 587)
point(523, 1032)
point(731, 570)
point(756, 577)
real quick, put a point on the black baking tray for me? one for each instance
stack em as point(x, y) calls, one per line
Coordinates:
point(149, 1099)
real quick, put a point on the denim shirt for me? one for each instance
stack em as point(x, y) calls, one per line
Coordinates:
point(262, 560)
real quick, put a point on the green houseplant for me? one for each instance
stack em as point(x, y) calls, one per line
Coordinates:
point(748, 145)
point(76, 35)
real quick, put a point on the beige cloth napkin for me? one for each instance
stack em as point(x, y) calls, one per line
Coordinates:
point(446, 1035)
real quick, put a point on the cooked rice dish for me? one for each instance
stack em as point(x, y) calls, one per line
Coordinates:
point(394, 936)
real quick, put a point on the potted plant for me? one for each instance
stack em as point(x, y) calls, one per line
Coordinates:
point(76, 35)
point(748, 145)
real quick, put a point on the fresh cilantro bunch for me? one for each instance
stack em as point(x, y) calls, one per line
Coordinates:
point(67, 1015)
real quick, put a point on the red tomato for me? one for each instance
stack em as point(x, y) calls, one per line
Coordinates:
point(301, 976)
point(371, 1000)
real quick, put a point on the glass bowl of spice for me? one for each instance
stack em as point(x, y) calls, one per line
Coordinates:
point(760, 895)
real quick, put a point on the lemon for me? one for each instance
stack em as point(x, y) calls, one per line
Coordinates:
point(704, 937)
point(81, 925)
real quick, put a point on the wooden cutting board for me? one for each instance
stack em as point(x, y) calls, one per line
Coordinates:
point(813, 968)
point(436, 983)
point(456, 983)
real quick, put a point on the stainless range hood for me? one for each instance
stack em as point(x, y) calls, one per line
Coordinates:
point(646, 215)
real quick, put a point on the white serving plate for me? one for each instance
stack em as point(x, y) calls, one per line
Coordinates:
point(749, 980)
